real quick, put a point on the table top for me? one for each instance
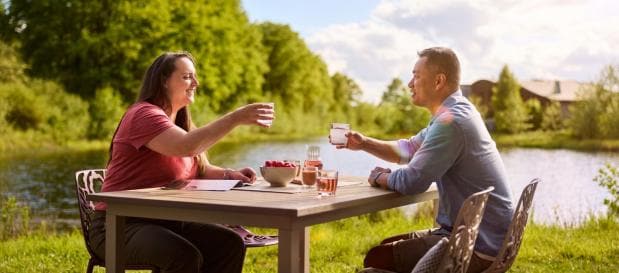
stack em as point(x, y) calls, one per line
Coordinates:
point(294, 205)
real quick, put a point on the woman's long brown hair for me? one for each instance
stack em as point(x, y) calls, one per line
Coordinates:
point(153, 90)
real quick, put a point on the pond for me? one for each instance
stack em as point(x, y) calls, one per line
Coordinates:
point(567, 194)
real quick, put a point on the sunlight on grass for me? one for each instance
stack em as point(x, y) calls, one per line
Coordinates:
point(341, 245)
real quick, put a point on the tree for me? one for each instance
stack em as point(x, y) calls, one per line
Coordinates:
point(11, 66)
point(536, 113)
point(296, 77)
point(88, 45)
point(510, 114)
point(551, 119)
point(596, 115)
point(346, 94)
point(397, 113)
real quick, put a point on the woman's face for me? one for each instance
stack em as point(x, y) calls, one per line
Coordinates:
point(182, 83)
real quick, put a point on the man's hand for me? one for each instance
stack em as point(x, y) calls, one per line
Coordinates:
point(355, 141)
point(378, 177)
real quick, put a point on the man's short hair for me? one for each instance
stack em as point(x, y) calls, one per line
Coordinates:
point(445, 61)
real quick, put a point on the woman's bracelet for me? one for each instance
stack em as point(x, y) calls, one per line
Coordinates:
point(227, 174)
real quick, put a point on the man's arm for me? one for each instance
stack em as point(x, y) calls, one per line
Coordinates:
point(385, 150)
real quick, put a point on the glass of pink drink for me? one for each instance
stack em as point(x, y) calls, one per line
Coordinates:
point(326, 182)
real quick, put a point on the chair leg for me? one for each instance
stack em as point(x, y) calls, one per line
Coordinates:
point(91, 265)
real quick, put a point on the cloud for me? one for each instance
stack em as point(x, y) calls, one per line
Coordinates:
point(536, 39)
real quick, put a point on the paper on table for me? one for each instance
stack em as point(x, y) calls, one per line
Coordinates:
point(204, 185)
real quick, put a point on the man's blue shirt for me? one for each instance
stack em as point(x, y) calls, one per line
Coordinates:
point(457, 152)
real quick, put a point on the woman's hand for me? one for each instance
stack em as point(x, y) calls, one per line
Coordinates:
point(261, 114)
point(246, 175)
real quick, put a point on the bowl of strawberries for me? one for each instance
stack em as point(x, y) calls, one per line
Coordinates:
point(278, 173)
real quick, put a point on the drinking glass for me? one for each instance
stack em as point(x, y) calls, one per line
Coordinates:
point(337, 133)
point(268, 122)
point(309, 176)
point(327, 182)
point(297, 165)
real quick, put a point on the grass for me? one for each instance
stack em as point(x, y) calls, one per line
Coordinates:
point(340, 247)
point(555, 140)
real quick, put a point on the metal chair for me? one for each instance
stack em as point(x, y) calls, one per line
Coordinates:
point(455, 257)
point(90, 181)
point(513, 238)
point(87, 182)
point(465, 229)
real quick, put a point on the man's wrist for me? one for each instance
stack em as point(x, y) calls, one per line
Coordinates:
point(375, 181)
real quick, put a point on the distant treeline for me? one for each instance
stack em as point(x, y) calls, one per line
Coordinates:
point(594, 116)
point(69, 69)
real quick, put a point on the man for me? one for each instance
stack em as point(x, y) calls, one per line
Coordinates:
point(455, 151)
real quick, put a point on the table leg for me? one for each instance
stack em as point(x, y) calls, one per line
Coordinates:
point(114, 242)
point(293, 250)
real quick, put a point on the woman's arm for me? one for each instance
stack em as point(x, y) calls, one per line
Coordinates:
point(177, 142)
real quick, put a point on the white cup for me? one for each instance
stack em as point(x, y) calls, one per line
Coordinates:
point(337, 133)
point(268, 122)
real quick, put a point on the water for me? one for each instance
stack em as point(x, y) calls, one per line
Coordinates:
point(566, 195)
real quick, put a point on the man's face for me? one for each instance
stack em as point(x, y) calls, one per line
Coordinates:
point(423, 84)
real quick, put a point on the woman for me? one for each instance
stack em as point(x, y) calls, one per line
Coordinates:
point(156, 143)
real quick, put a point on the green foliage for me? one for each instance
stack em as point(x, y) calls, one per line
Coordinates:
point(105, 111)
point(396, 113)
point(15, 218)
point(608, 177)
point(609, 120)
point(341, 245)
point(23, 111)
point(346, 95)
point(597, 115)
point(510, 114)
point(481, 107)
point(89, 45)
point(551, 119)
point(11, 66)
point(45, 108)
point(535, 113)
point(591, 247)
point(298, 78)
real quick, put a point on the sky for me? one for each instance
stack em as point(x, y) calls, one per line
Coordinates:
point(373, 42)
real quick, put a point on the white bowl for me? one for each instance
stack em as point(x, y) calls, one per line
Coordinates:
point(278, 176)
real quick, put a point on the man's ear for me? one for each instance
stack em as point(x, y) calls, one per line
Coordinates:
point(440, 81)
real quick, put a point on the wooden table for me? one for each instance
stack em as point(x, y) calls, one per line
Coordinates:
point(291, 214)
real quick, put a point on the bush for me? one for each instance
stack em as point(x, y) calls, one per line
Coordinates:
point(535, 112)
point(15, 218)
point(45, 108)
point(609, 120)
point(597, 115)
point(608, 177)
point(551, 120)
point(105, 112)
point(66, 115)
point(24, 109)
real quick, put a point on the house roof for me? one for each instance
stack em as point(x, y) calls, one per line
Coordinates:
point(568, 90)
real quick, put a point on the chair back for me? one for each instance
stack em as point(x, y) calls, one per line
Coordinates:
point(464, 233)
point(87, 182)
point(513, 237)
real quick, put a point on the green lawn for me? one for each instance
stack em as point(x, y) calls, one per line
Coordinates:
point(340, 247)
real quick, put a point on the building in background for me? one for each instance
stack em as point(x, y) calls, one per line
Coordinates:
point(545, 91)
